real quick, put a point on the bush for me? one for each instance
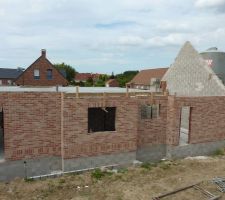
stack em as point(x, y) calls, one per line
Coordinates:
point(98, 174)
point(219, 152)
point(28, 179)
point(123, 170)
point(148, 165)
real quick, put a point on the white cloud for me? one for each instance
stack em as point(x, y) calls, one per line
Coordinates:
point(174, 39)
point(173, 26)
point(98, 32)
point(130, 40)
point(209, 3)
point(2, 12)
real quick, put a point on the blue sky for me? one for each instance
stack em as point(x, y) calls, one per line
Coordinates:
point(104, 35)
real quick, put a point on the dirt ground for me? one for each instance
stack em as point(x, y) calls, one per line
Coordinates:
point(133, 183)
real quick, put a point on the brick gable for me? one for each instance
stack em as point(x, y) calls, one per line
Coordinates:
point(43, 64)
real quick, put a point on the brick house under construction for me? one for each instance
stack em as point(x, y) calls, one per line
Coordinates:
point(47, 132)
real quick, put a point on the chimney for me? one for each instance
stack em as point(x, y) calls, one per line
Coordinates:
point(43, 53)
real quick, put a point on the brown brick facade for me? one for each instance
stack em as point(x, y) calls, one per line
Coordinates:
point(153, 131)
point(207, 119)
point(42, 64)
point(39, 124)
point(31, 124)
point(80, 143)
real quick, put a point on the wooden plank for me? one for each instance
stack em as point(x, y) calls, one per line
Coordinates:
point(174, 192)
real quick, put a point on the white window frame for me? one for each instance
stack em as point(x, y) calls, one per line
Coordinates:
point(36, 74)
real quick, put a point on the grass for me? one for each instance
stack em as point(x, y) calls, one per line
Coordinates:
point(148, 166)
point(99, 174)
point(131, 183)
point(28, 180)
point(219, 152)
point(165, 166)
point(122, 170)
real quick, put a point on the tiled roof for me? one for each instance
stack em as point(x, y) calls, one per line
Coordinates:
point(144, 76)
point(7, 73)
point(85, 76)
point(82, 76)
point(111, 81)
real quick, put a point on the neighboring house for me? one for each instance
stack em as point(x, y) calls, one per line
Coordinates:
point(148, 79)
point(190, 75)
point(83, 77)
point(112, 83)
point(8, 76)
point(41, 73)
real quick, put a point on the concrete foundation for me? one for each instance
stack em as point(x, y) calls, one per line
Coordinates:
point(200, 149)
point(34, 167)
point(98, 161)
point(151, 153)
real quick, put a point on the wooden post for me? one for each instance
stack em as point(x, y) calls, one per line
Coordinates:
point(77, 92)
point(62, 130)
point(104, 100)
point(152, 98)
point(166, 93)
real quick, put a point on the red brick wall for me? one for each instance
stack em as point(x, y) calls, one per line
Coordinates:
point(173, 122)
point(79, 143)
point(27, 78)
point(31, 124)
point(207, 118)
point(5, 81)
point(153, 131)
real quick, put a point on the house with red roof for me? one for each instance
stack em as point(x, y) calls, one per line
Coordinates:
point(112, 83)
point(83, 77)
point(148, 79)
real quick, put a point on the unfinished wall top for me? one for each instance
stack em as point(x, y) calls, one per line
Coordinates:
point(190, 75)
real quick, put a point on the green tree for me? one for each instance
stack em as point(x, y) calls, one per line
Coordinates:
point(104, 77)
point(89, 82)
point(100, 83)
point(125, 77)
point(69, 70)
point(112, 76)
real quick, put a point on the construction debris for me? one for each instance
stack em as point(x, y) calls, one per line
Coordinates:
point(207, 194)
point(220, 182)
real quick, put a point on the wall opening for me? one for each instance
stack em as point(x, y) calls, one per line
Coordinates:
point(1, 135)
point(184, 125)
point(101, 119)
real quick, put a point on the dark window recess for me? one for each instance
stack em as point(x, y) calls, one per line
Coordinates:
point(101, 119)
point(150, 111)
point(49, 74)
point(155, 110)
point(146, 112)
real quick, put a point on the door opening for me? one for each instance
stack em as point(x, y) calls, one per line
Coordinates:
point(184, 125)
point(1, 135)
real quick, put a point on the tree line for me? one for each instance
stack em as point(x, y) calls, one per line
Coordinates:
point(70, 73)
